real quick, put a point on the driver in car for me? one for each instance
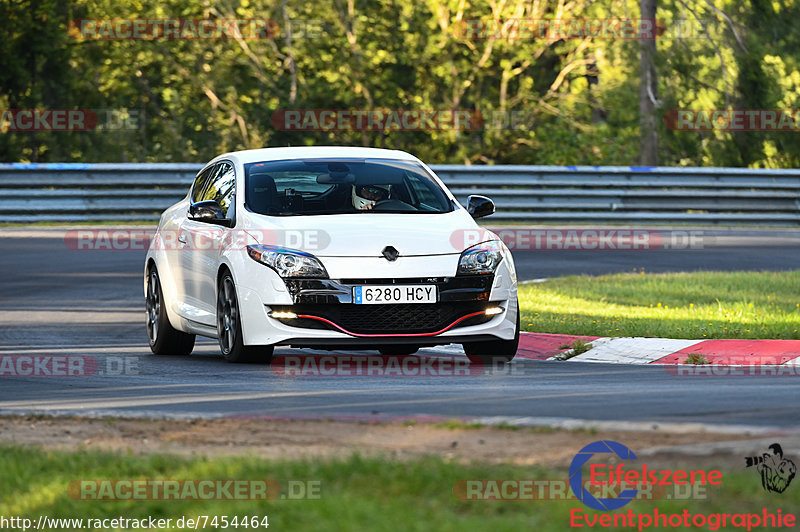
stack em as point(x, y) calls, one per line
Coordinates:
point(366, 196)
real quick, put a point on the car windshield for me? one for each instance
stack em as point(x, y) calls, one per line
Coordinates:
point(342, 186)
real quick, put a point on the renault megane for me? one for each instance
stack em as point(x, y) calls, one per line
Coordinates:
point(329, 248)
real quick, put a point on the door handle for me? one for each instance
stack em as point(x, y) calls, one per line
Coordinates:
point(182, 239)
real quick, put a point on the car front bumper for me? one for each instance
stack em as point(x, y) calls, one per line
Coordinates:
point(327, 316)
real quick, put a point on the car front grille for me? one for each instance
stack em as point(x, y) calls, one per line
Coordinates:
point(412, 318)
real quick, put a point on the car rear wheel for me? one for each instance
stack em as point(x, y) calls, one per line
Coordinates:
point(164, 338)
point(398, 350)
point(229, 327)
point(495, 351)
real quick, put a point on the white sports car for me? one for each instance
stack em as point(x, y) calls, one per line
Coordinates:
point(330, 248)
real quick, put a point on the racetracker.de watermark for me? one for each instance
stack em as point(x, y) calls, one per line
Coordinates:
point(30, 120)
point(204, 489)
point(67, 366)
point(376, 120)
point(733, 119)
point(738, 366)
point(405, 366)
point(212, 238)
point(559, 490)
point(580, 239)
point(643, 29)
point(218, 238)
point(172, 28)
point(512, 29)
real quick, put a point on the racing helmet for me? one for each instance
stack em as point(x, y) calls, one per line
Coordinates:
point(363, 195)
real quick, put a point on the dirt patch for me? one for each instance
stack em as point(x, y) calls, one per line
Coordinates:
point(331, 439)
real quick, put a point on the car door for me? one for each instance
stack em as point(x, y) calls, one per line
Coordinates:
point(182, 248)
point(203, 244)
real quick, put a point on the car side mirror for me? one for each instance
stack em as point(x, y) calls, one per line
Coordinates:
point(479, 206)
point(208, 211)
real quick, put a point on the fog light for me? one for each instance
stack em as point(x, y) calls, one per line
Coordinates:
point(282, 315)
point(493, 311)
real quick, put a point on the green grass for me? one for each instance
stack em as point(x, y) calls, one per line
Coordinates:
point(673, 305)
point(356, 494)
point(695, 359)
point(578, 347)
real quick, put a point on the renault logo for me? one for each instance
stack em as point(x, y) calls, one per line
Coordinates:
point(390, 254)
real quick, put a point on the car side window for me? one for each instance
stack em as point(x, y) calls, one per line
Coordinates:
point(200, 182)
point(221, 187)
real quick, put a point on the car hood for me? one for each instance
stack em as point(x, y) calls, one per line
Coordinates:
point(366, 235)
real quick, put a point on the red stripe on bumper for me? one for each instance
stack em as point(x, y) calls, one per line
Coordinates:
point(406, 335)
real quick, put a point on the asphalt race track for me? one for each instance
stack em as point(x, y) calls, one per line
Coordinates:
point(59, 301)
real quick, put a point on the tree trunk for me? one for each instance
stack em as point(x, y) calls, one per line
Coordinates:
point(648, 99)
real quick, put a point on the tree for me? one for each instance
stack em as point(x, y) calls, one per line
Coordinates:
point(648, 88)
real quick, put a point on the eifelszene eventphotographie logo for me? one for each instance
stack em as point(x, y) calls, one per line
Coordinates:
point(612, 472)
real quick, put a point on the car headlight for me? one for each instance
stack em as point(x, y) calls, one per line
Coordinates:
point(288, 262)
point(481, 258)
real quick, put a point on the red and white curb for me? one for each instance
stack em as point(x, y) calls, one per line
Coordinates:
point(627, 350)
point(541, 346)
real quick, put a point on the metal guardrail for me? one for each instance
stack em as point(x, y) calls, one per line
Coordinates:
point(74, 192)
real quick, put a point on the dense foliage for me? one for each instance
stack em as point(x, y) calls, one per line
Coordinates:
point(565, 101)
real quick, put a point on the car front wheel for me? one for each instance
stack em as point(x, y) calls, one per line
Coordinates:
point(164, 338)
point(494, 351)
point(229, 327)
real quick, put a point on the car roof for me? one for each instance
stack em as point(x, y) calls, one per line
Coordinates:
point(313, 152)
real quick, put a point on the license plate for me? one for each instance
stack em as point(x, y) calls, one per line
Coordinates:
point(382, 295)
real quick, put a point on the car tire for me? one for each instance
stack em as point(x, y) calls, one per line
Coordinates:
point(493, 352)
point(398, 350)
point(164, 338)
point(229, 327)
